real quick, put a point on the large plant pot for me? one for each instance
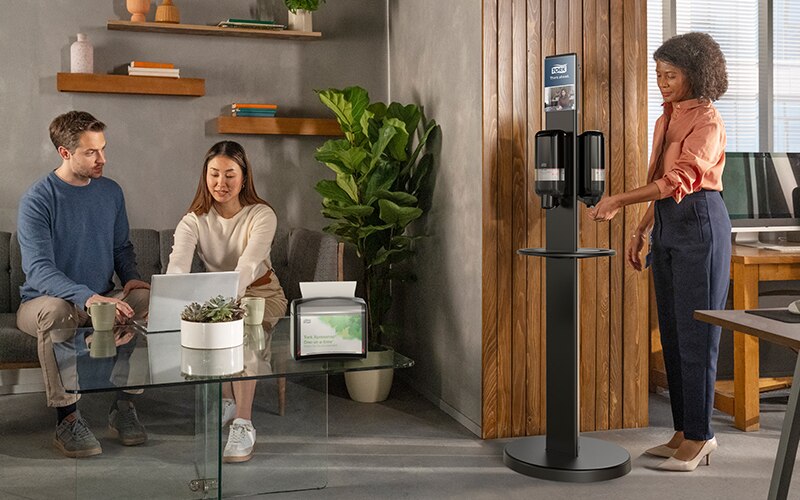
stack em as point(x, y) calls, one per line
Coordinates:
point(370, 386)
point(212, 335)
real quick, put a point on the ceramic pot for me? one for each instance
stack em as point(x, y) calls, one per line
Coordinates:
point(167, 13)
point(81, 55)
point(212, 335)
point(370, 386)
point(138, 9)
point(212, 362)
point(301, 21)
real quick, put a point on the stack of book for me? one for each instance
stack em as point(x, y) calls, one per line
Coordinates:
point(254, 109)
point(251, 24)
point(148, 68)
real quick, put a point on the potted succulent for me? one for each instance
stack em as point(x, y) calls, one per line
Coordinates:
point(382, 167)
point(300, 13)
point(216, 324)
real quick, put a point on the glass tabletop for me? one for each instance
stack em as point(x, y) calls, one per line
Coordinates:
point(129, 358)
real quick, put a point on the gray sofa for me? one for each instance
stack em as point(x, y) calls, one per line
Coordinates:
point(297, 255)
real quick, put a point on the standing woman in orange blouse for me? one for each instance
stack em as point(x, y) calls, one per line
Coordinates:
point(690, 235)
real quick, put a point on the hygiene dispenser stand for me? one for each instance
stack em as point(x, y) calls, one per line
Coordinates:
point(562, 455)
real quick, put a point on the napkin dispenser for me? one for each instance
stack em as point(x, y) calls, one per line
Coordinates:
point(328, 328)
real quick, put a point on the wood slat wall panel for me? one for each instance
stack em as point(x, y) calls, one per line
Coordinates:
point(504, 227)
point(548, 44)
point(519, 218)
point(602, 338)
point(489, 282)
point(534, 354)
point(609, 38)
point(589, 288)
point(634, 318)
point(615, 180)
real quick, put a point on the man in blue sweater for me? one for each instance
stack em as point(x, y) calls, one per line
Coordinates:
point(73, 234)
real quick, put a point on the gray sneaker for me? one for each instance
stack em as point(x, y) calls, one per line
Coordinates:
point(74, 439)
point(124, 424)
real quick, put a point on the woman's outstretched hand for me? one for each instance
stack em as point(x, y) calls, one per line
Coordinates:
point(605, 210)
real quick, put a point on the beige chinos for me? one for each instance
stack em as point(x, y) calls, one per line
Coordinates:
point(38, 317)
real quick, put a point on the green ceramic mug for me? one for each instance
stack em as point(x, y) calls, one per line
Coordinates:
point(103, 315)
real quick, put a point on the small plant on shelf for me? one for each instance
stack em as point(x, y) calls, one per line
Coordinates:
point(217, 310)
point(308, 5)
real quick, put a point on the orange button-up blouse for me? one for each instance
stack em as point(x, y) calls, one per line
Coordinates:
point(690, 141)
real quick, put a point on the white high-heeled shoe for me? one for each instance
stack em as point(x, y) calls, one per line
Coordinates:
point(673, 464)
point(662, 451)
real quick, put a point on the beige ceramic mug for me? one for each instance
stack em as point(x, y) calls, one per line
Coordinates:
point(103, 344)
point(103, 315)
point(254, 310)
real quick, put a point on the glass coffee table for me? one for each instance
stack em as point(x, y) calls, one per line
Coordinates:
point(181, 406)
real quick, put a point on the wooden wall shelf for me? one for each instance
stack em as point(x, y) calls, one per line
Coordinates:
point(278, 126)
point(198, 29)
point(124, 84)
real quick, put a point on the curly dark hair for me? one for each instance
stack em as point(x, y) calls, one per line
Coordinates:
point(700, 57)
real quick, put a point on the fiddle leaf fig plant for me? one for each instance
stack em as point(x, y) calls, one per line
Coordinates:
point(381, 168)
point(309, 5)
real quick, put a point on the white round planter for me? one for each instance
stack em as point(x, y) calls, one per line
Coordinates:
point(212, 362)
point(212, 335)
point(370, 386)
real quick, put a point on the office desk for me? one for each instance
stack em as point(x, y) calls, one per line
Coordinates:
point(749, 266)
point(787, 334)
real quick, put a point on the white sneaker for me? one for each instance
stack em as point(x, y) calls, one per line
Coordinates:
point(241, 439)
point(228, 411)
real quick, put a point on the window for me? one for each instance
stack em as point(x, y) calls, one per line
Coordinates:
point(758, 116)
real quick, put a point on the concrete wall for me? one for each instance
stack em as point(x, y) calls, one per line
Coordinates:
point(435, 61)
point(156, 144)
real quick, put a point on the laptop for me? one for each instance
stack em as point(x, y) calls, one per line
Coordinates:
point(170, 293)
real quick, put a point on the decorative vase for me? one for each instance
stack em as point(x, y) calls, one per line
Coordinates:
point(81, 55)
point(212, 335)
point(138, 9)
point(167, 13)
point(300, 21)
point(371, 386)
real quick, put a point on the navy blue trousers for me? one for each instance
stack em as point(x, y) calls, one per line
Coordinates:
point(691, 258)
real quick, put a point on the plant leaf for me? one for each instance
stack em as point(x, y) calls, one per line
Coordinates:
point(381, 178)
point(399, 141)
point(391, 212)
point(345, 212)
point(331, 190)
point(348, 185)
point(399, 197)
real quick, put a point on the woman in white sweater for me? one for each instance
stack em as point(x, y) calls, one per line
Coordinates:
point(232, 230)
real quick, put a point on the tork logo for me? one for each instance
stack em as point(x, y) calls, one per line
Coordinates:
point(558, 69)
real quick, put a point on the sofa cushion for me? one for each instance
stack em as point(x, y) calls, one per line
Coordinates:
point(5, 272)
point(312, 256)
point(15, 346)
point(146, 244)
point(17, 276)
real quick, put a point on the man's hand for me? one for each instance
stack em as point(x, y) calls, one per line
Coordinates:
point(605, 210)
point(124, 311)
point(133, 285)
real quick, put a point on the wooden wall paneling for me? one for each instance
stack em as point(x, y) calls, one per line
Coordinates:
point(505, 215)
point(489, 281)
point(562, 26)
point(643, 322)
point(548, 44)
point(602, 66)
point(589, 286)
point(615, 178)
point(519, 217)
point(533, 347)
point(634, 318)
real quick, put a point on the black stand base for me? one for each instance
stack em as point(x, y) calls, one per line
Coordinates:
point(596, 461)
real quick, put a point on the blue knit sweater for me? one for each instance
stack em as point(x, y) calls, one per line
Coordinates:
point(73, 238)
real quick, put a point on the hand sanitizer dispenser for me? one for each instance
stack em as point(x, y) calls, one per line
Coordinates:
point(551, 162)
